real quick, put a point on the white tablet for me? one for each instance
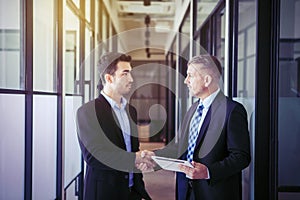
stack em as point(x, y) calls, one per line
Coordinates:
point(170, 163)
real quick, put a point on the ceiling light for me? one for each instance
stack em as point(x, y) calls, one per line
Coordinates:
point(147, 20)
point(162, 26)
point(159, 8)
point(147, 2)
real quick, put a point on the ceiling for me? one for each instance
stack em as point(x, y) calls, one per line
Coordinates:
point(138, 34)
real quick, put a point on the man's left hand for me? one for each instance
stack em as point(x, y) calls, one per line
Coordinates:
point(198, 172)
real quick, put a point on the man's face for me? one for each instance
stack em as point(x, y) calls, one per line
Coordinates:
point(122, 79)
point(195, 80)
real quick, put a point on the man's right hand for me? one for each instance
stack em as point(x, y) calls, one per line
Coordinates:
point(143, 160)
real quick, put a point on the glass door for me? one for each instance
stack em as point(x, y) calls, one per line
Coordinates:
point(288, 126)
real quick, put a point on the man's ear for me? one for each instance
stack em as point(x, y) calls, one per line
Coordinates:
point(108, 78)
point(207, 80)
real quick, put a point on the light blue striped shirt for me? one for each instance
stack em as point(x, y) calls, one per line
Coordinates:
point(124, 123)
point(206, 103)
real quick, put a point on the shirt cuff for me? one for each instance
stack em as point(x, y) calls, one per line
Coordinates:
point(208, 175)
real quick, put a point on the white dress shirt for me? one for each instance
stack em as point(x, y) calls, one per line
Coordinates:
point(124, 123)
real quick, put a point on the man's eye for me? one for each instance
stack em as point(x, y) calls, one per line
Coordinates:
point(125, 74)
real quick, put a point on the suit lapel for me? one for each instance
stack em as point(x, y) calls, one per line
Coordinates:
point(109, 122)
point(204, 127)
point(212, 126)
point(213, 117)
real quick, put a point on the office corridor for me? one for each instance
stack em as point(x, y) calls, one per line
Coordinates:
point(49, 56)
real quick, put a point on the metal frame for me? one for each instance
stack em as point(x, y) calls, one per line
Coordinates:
point(60, 100)
point(265, 171)
point(27, 62)
point(232, 42)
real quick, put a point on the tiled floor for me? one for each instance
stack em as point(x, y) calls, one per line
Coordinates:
point(160, 184)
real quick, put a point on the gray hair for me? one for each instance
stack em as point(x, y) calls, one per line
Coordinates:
point(208, 61)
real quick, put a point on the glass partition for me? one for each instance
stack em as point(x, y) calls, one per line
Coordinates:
point(219, 47)
point(289, 101)
point(44, 147)
point(88, 66)
point(72, 64)
point(245, 80)
point(246, 49)
point(204, 9)
point(212, 36)
point(44, 70)
point(45, 170)
point(88, 10)
point(186, 31)
point(105, 25)
point(12, 146)
point(72, 162)
point(11, 71)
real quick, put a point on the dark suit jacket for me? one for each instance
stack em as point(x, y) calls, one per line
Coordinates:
point(223, 146)
point(104, 151)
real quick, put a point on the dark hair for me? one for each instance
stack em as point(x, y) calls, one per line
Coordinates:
point(107, 64)
point(208, 61)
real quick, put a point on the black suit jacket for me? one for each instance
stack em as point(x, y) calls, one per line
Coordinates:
point(104, 151)
point(223, 145)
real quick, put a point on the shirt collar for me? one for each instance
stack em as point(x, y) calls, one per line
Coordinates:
point(208, 100)
point(113, 103)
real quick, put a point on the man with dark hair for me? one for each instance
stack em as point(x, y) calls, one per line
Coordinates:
point(108, 64)
point(108, 137)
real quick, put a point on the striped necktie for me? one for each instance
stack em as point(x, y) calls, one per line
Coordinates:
point(193, 134)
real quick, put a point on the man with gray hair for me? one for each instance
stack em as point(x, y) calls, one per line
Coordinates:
point(214, 138)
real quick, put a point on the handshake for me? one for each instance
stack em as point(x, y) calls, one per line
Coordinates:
point(143, 160)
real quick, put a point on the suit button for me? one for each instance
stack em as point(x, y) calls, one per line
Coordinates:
point(126, 176)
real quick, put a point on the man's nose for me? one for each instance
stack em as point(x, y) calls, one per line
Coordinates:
point(130, 78)
point(186, 80)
